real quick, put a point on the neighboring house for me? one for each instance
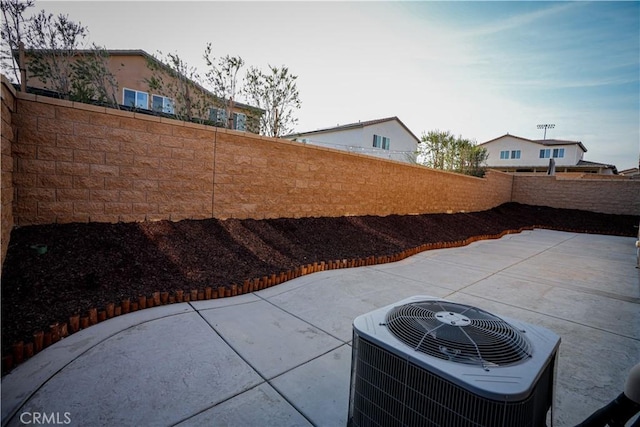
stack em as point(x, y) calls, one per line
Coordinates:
point(388, 138)
point(131, 71)
point(632, 173)
point(510, 153)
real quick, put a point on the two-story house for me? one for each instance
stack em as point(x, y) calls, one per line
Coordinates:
point(387, 138)
point(510, 153)
point(132, 71)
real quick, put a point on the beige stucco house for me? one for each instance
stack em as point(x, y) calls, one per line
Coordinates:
point(131, 71)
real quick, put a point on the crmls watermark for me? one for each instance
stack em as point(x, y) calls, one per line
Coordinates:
point(44, 418)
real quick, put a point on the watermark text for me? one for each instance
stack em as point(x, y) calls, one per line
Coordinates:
point(45, 418)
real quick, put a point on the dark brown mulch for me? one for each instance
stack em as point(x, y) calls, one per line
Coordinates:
point(89, 265)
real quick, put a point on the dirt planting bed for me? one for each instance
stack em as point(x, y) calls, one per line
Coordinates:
point(81, 273)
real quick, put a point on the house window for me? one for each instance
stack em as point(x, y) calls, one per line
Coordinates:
point(558, 152)
point(135, 98)
point(162, 104)
point(381, 142)
point(218, 116)
point(545, 153)
point(240, 121)
point(504, 154)
point(515, 154)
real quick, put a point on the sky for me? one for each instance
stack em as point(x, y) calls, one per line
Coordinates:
point(476, 69)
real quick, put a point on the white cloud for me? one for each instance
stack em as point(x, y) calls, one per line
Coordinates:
point(517, 21)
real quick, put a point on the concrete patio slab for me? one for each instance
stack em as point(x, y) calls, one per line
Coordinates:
point(282, 356)
point(271, 340)
point(430, 270)
point(151, 374)
point(597, 311)
point(480, 258)
point(612, 273)
point(343, 298)
point(320, 388)
point(260, 406)
point(224, 302)
point(18, 385)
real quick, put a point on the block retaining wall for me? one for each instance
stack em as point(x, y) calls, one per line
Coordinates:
point(7, 189)
point(79, 163)
point(604, 195)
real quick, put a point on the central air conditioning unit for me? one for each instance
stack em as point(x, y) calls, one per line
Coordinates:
point(426, 361)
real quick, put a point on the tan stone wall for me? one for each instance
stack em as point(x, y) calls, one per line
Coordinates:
point(614, 196)
point(269, 178)
point(76, 162)
point(8, 138)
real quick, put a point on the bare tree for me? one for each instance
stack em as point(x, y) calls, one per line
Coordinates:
point(177, 80)
point(277, 94)
point(13, 32)
point(92, 79)
point(53, 43)
point(223, 78)
point(55, 57)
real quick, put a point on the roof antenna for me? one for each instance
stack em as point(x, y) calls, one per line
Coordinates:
point(545, 127)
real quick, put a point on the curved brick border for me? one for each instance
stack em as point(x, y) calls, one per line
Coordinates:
point(41, 339)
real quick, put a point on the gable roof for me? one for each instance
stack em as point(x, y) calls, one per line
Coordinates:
point(598, 164)
point(630, 172)
point(560, 142)
point(355, 126)
point(545, 142)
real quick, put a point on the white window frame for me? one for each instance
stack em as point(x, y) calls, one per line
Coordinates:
point(240, 121)
point(221, 115)
point(381, 142)
point(136, 94)
point(515, 154)
point(167, 104)
point(558, 153)
point(504, 154)
point(545, 153)
point(377, 141)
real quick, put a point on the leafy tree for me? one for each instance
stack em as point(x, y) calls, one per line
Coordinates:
point(223, 78)
point(442, 150)
point(277, 94)
point(433, 148)
point(13, 29)
point(177, 80)
point(472, 159)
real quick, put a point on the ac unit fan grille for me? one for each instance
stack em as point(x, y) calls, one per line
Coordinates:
point(457, 332)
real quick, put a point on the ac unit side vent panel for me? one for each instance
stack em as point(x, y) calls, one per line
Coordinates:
point(390, 391)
